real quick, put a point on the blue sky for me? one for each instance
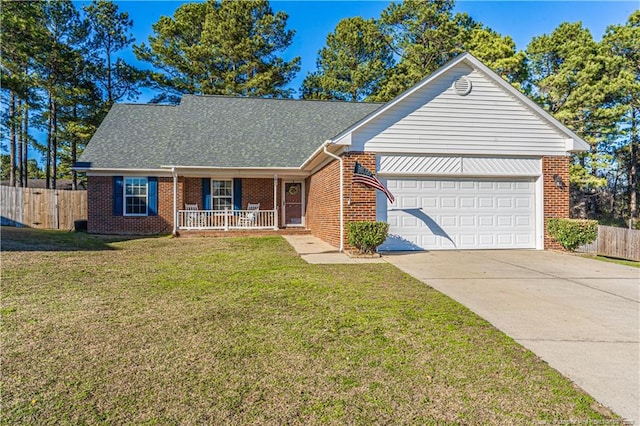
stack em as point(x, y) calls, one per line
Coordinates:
point(313, 20)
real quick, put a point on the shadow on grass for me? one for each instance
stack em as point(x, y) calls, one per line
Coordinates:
point(30, 239)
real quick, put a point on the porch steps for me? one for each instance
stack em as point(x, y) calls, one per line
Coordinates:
point(242, 233)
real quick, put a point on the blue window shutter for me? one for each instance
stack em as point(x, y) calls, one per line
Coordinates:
point(118, 195)
point(152, 194)
point(237, 194)
point(206, 193)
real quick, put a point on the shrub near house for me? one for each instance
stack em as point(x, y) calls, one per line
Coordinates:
point(572, 233)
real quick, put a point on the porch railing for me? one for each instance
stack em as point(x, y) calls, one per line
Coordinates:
point(227, 219)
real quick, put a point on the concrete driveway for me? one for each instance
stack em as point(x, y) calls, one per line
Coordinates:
point(582, 316)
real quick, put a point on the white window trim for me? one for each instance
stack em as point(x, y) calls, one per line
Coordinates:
point(125, 196)
point(213, 197)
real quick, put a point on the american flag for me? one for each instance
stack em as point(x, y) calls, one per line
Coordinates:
point(362, 175)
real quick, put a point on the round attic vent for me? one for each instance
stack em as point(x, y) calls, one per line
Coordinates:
point(462, 86)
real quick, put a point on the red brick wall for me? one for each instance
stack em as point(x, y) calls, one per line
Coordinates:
point(360, 200)
point(258, 191)
point(323, 198)
point(323, 203)
point(100, 204)
point(556, 201)
point(100, 209)
point(192, 192)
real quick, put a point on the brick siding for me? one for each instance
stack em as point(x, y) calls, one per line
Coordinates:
point(360, 200)
point(100, 204)
point(556, 200)
point(100, 209)
point(258, 191)
point(323, 203)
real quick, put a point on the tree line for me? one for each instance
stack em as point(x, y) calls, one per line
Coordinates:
point(61, 72)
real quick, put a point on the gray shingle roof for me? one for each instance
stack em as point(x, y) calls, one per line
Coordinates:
point(217, 131)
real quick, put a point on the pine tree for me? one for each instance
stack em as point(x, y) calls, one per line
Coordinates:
point(110, 33)
point(621, 43)
point(352, 65)
point(228, 48)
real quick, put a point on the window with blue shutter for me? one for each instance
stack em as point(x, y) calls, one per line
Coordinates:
point(118, 194)
point(206, 193)
point(237, 194)
point(152, 192)
point(137, 196)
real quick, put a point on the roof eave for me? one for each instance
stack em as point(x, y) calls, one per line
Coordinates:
point(236, 171)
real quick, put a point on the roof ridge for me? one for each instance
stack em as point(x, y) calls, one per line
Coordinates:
point(254, 98)
point(143, 104)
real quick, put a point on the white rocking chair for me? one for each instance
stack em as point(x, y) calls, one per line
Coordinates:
point(193, 217)
point(249, 218)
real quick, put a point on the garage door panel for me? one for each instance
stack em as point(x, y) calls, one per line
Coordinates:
point(504, 202)
point(505, 221)
point(467, 221)
point(448, 221)
point(460, 214)
point(467, 202)
point(486, 202)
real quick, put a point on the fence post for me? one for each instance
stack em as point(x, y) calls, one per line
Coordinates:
point(56, 212)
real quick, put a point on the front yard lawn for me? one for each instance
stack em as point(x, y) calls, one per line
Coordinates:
point(242, 331)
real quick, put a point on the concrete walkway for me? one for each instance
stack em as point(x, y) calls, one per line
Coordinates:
point(314, 250)
point(582, 316)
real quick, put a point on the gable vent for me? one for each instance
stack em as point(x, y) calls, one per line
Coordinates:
point(462, 86)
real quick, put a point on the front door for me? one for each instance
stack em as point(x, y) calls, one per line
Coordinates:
point(293, 203)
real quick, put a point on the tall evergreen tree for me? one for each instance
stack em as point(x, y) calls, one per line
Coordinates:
point(352, 65)
point(568, 78)
point(57, 67)
point(424, 35)
point(621, 43)
point(498, 53)
point(23, 38)
point(110, 33)
point(227, 47)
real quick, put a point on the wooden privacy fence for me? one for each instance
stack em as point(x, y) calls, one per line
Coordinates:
point(622, 243)
point(42, 208)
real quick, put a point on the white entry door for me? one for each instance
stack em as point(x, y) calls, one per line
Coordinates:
point(449, 214)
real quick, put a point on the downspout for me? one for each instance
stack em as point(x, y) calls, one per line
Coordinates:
point(175, 201)
point(324, 148)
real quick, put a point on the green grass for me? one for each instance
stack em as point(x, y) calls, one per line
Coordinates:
point(613, 260)
point(242, 331)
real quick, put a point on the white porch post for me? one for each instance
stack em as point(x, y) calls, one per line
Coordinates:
point(175, 201)
point(275, 202)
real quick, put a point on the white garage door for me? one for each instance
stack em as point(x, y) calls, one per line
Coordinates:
point(442, 214)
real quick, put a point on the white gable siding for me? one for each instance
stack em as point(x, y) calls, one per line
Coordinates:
point(435, 120)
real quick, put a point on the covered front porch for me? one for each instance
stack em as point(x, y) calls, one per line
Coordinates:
point(237, 200)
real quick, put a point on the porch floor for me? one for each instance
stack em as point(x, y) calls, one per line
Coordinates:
point(242, 233)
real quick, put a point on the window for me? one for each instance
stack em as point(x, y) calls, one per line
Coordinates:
point(222, 194)
point(136, 199)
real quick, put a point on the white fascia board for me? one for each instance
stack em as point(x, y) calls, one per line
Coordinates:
point(319, 157)
point(315, 154)
point(576, 145)
point(237, 171)
point(123, 172)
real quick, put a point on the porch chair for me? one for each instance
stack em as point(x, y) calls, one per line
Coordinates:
point(193, 218)
point(249, 218)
